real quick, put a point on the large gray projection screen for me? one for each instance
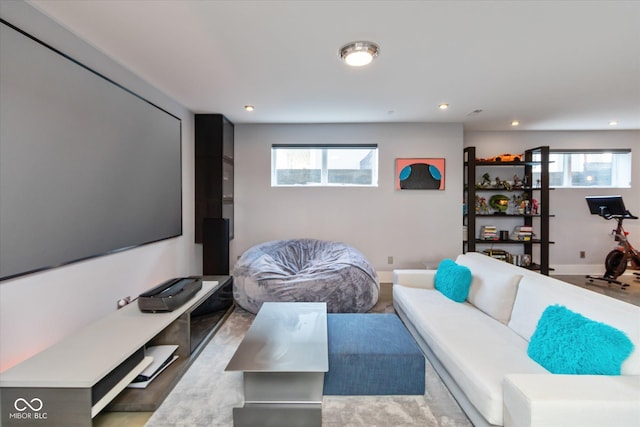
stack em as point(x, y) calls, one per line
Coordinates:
point(86, 166)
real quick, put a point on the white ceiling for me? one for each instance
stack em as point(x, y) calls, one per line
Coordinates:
point(552, 65)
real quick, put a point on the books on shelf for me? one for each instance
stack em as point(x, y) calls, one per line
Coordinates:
point(489, 232)
point(162, 357)
point(523, 233)
point(499, 254)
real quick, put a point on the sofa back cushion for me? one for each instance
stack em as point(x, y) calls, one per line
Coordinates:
point(537, 292)
point(494, 284)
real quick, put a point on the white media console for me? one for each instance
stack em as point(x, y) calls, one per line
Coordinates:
point(72, 381)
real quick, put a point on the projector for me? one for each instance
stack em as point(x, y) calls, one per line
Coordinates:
point(169, 295)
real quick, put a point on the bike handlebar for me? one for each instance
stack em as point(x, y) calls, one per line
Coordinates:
point(626, 215)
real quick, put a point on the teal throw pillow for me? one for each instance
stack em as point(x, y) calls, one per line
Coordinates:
point(453, 280)
point(566, 342)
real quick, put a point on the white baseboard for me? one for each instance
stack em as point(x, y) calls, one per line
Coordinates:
point(570, 269)
point(385, 276)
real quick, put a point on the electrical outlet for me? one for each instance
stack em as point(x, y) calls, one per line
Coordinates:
point(390, 259)
point(123, 301)
point(582, 254)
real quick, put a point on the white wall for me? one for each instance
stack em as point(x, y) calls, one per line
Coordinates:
point(40, 309)
point(413, 226)
point(573, 228)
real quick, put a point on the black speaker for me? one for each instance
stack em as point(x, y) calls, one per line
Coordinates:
point(215, 246)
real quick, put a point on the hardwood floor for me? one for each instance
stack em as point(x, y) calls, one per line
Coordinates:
point(630, 294)
point(121, 419)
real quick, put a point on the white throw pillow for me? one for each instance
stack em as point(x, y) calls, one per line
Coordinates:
point(492, 290)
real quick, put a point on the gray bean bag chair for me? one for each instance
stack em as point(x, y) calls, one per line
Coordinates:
point(305, 270)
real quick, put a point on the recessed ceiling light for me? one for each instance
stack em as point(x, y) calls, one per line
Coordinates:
point(613, 123)
point(443, 106)
point(249, 107)
point(515, 123)
point(358, 54)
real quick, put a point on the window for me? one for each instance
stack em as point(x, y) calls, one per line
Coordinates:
point(324, 165)
point(588, 168)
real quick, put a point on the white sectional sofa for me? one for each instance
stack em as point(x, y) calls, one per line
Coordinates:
point(479, 347)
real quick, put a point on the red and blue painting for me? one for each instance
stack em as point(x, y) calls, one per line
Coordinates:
point(420, 174)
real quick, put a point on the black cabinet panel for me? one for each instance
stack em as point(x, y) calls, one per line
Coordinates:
point(215, 246)
point(214, 140)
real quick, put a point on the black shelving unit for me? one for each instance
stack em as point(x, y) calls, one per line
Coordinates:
point(531, 190)
point(214, 141)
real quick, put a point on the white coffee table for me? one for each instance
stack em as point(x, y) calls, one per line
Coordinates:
point(283, 356)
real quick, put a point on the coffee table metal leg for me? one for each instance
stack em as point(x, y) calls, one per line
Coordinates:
point(283, 387)
point(278, 415)
point(281, 399)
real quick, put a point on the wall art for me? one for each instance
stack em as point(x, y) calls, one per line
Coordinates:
point(420, 174)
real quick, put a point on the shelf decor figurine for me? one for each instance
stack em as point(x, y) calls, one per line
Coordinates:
point(535, 206)
point(500, 203)
point(485, 183)
point(517, 182)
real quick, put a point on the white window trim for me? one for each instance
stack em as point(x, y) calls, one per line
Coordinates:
point(617, 168)
point(324, 179)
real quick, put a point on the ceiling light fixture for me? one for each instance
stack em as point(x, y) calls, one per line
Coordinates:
point(249, 107)
point(443, 106)
point(515, 123)
point(358, 54)
point(613, 123)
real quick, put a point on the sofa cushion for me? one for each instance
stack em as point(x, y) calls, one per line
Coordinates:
point(453, 280)
point(494, 285)
point(477, 357)
point(537, 292)
point(565, 342)
point(571, 400)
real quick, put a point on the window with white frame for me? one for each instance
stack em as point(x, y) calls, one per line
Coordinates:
point(588, 168)
point(324, 165)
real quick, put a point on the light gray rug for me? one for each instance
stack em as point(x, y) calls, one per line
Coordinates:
point(206, 394)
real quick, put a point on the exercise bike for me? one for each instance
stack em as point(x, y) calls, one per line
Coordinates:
point(616, 261)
